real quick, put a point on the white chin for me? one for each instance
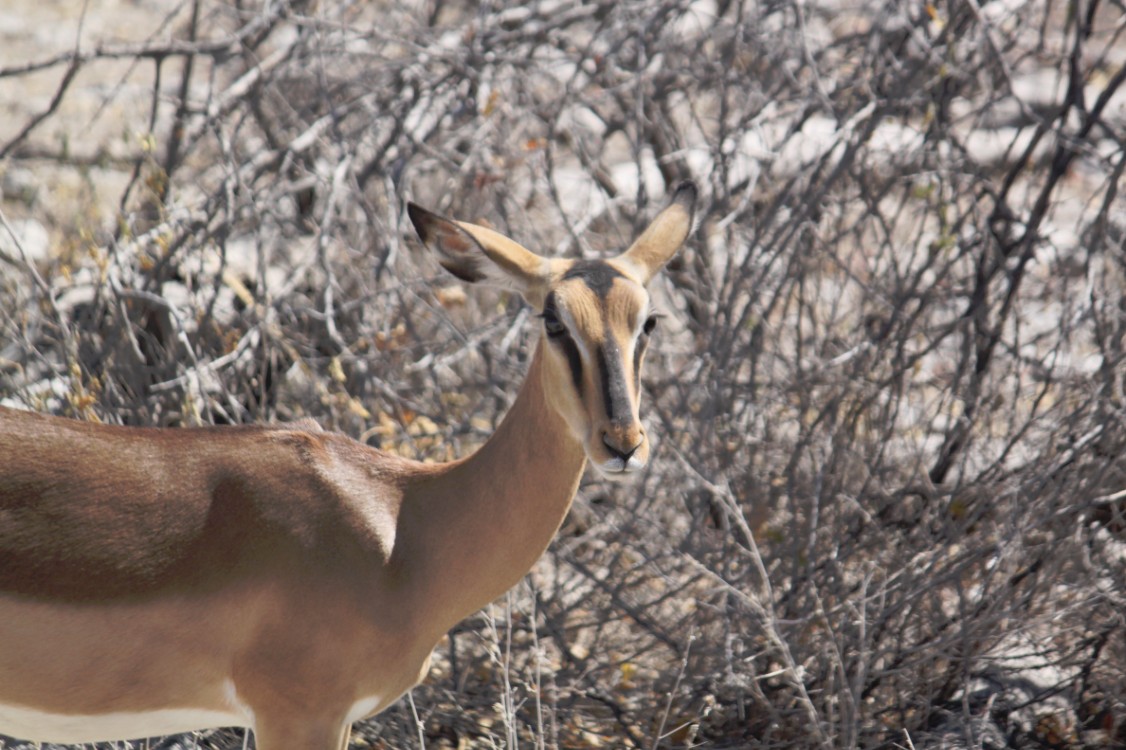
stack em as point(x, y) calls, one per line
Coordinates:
point(619, 470)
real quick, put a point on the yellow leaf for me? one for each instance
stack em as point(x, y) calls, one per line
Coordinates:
point(629, 671)
point(491, 103)
point(336, 371)
point(422, 426)
point(451, 296)
point(356, 408)
point(932, 11)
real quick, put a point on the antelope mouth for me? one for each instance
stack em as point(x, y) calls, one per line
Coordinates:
point(619, 469)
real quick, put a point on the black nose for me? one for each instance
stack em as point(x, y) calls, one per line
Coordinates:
point(617, 452)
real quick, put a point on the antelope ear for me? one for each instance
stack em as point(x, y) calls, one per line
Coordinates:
point(663, 237)
point(480, 255)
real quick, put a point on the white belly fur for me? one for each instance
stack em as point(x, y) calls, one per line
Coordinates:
point(29, 724)
point(72, 729)
point(38, 726)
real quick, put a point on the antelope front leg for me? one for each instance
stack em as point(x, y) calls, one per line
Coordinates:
point(291, 733)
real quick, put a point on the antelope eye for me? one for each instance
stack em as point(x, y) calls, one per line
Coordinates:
point(551, 324)
point(649, 325)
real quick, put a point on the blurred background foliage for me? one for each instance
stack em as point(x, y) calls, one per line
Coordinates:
point(888, 502)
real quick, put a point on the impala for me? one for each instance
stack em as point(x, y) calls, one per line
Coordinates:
point(289, 580)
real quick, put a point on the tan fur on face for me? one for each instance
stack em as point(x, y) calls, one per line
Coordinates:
point(604, 322)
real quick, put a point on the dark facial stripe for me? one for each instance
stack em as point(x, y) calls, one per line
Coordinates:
point(614, 392)
point(570, 350)
point(574, 361)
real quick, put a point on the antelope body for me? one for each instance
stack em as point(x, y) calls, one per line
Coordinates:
point(291, 580)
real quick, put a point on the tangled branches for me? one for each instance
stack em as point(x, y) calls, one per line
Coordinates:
point(887, 505)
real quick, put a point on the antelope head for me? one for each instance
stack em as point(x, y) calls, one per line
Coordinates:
point(595, 315)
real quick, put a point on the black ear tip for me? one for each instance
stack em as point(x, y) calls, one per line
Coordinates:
point(420, 217)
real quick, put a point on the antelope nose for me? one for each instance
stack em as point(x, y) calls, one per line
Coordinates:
point(618, 450)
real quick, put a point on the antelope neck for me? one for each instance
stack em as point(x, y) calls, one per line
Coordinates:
point(488, 517)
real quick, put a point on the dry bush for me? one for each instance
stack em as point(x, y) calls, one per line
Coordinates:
point(887, 506)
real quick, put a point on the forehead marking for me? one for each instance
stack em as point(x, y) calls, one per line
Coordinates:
point(598, 275)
